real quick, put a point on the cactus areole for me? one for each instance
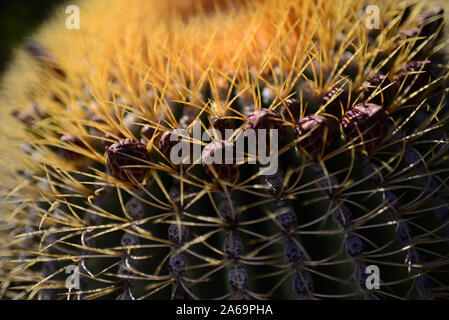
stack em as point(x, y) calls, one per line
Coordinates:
point(127, 158)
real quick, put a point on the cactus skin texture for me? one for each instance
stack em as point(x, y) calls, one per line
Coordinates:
point(87, 178)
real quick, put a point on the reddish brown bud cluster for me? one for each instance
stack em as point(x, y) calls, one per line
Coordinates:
point(415, 74)
point(223, 170)
point(125, 153)
point(70, 154)
point(291, 111)
point(316, 131)
point(367, 123)
point(379, 84)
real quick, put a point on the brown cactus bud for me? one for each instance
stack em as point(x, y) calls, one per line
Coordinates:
point(367, 123)
point(317, 132)
point(124, 154)
point(430, 21)
point(165, 144)
point(70, 154)
point(171, 138)
point(336, 100)
point(291, 111)
point(377, 83)
point(416, 74)
point(265, 119)
point(218, 156)
point(221, 124)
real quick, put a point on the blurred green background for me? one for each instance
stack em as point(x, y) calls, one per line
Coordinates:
point(19, 18)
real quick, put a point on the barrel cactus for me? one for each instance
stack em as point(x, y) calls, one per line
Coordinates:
point(94, 177)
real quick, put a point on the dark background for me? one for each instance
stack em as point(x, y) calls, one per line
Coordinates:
point(19, 18)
